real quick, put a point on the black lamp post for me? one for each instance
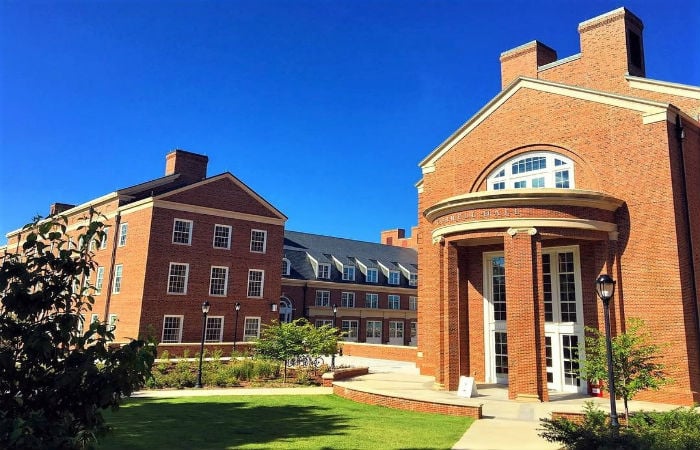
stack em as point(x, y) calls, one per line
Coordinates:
point(335, 313)
point(605, 288)
point(205, 311)
point(235, 326)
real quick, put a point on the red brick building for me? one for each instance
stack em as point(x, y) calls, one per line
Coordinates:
point(175, 242)
point(579, 167)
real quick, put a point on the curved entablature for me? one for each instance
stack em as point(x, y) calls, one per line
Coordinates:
point(522, 197)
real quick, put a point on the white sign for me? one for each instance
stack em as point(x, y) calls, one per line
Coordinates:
point(467, 387)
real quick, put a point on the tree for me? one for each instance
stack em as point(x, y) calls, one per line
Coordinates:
point(284, 341)
point(635, 363)
point(56, 376)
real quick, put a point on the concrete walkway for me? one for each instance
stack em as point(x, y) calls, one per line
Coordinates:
point(505, 425)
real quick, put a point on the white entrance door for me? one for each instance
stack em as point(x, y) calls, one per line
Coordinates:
point(563, 318)
point(496, 339)
point(395, 332)
point(374, 332)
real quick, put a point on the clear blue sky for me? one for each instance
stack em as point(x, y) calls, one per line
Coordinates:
point(324, 108)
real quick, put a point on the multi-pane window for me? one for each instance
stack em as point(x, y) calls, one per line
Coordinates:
point(323, 298)
point(413, 279)
point(123, 229)
point(395, 329)
point(94, 318)
point(103, 242)
point(547, 278)
point(548, 358)
point(218, 281)
point(214, 329)
point(374, 329)
point(349, 329)
point(347, 299)
point(321, 322)
point(567, 287)
point(501, 352)
point(222, 236)
point(394, 301)
point(413, 303)
point(258, 241)
point(182, 232)
point(372, 275)
point(177, 278)
point(371, 300)
point(117, 286)
point(414, 331)
point(113, 319)
point(172, 329)
point(394, 277)
point(348, 273)
point(251, 328)
point(498, 279)
point(533, 170)
point(256, 279)
point(569, 345)
point(285, 266)
point(99, 280)
point(324, 270)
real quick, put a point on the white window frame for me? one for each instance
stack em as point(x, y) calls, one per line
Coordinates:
point(323, 298)
point(374, 300)
point(413, 303)
point(123, 232)
point(374, 278)
point(286, 267)
point(118, 277)
point(208, 329)
point(348, 273)
point(94, 318)
point(373, 334)
point(394, 278)
point(178, 329)
point(413, 279)
point(186, 278)
point(189, 231)
point(248, 336)
point(350, 329)
point(113, 320)
point(347, 299)
point(212, 279)
point(321, 322)
point(255, 242)
point(218, 227)
point(323, 271)
point(504, 178)
point(105, 237)
point(99, 280)
point(394, 301)
point(252, 283)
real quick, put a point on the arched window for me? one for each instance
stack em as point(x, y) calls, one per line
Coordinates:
point(533, 170)
point(285, 266)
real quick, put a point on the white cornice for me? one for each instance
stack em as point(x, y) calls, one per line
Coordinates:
point(664, 87)
point(645, 107)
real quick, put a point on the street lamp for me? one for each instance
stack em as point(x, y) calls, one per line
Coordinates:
point(235, 327)
point(605, 288)
point(205, 311)
point(335, 313)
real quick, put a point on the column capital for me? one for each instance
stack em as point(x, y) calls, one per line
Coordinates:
point(529, 230)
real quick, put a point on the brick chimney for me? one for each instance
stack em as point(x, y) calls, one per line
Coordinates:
point(58, 208)
point(524, 61)
point(192, 167)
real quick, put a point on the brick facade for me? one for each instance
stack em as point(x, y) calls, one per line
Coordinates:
point(630, 209)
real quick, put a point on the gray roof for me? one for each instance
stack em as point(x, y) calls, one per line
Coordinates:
point(299, 248)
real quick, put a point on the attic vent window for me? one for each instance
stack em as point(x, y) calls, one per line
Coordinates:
point(634, 46)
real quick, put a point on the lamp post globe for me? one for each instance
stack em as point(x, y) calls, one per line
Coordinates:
point(605, 288)
point(235, 326)
point(205, 311)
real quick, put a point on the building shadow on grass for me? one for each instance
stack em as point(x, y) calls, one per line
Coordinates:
point(160, 423)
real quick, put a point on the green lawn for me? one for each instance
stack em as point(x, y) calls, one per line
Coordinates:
point(268, 422)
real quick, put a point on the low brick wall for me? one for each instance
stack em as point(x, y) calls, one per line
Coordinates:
point(380, 351)
point(343, 374)
point(407, 404)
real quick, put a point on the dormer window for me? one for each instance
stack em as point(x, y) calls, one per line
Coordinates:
point(533, 170)
point(413, 280)
point(394, 277)
point(348, 273)
point(372, 275)
point(324, 271)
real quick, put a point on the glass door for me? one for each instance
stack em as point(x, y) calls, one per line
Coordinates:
point(496, 339)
